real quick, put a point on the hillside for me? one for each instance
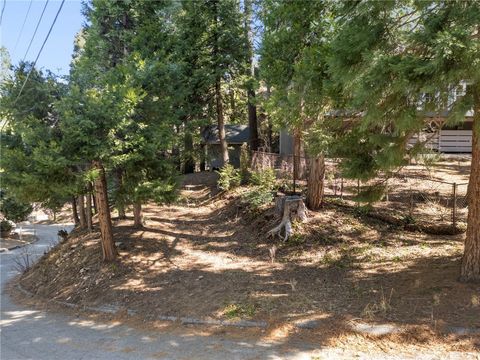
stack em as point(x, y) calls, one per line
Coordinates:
point(208, 257)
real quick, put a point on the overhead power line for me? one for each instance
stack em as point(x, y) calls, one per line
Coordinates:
point(38, 55)
point(23, 26)
point(3, 9)
point(35, 32)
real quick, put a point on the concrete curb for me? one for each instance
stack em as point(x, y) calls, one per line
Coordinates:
point(363, 328)
point(113, 309)
point(35, 239)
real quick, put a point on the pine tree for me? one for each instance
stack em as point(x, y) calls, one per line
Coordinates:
point(35, 167)
point(293, 63)
point(212, 51)
point(126, 129)
point(251, 77)
point(386, 56)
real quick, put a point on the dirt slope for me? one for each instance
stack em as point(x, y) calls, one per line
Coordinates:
point(207, 256)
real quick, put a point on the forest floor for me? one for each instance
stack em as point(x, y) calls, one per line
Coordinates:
point(208, 256)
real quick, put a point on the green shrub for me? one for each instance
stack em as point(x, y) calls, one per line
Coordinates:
point(266, 179)
point(234, 311)
point(5, 226)
point(244, 164)
point(362, 211)
point(256, 197)
point(229, 177)
point(14, 210)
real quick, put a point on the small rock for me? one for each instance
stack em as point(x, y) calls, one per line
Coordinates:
point(200, 277)
point(120, 245)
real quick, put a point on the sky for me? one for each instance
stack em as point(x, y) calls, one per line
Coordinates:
point(56, 54)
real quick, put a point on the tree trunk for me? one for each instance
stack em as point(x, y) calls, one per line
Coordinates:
point(233, 104)
point(298, 153)
point(315, 185)
point(75, 211)
point(252, 120)
point(270, 138)
point(88, 207)
point(189, 160)
point(221, 123)
point(137, 215)
point(81, 211)
point(176, 151)
point(218, 93)
point(252, 108)
point(120, 203)
point(121, 212)
point(108, 246)
point(94, 200)
point(471, 256)
point(203, 158)
point(270, 126)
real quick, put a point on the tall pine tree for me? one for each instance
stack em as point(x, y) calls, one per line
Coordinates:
point(385, 58)
point(293, 64)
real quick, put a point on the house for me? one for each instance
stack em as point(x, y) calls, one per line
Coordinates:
point(436, 135)
point(236, 136)
point(444, 138)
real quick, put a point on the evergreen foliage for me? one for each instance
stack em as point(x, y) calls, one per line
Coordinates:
point(293, 60)
point(35, 166)
point(350, 79)
point(13, 209)
point(5, 226)
point(386, 58)
point(229, 177)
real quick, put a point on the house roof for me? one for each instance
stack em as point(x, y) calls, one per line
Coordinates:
point(234, 134)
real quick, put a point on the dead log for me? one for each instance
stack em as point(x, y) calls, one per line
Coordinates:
point(291, 208)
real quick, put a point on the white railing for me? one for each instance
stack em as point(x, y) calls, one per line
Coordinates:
point(455, 141)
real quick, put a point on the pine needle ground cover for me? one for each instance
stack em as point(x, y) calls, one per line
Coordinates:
point(208, 257)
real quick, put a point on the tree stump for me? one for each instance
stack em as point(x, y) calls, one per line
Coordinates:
point(290, 208)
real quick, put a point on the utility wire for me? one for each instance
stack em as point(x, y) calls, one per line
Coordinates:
point(23, 26)
point(3, 9)
point(38, 55)
point(35, 32)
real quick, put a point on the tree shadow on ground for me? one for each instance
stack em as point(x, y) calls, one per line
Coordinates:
point(213, 266)
point(423, 293)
